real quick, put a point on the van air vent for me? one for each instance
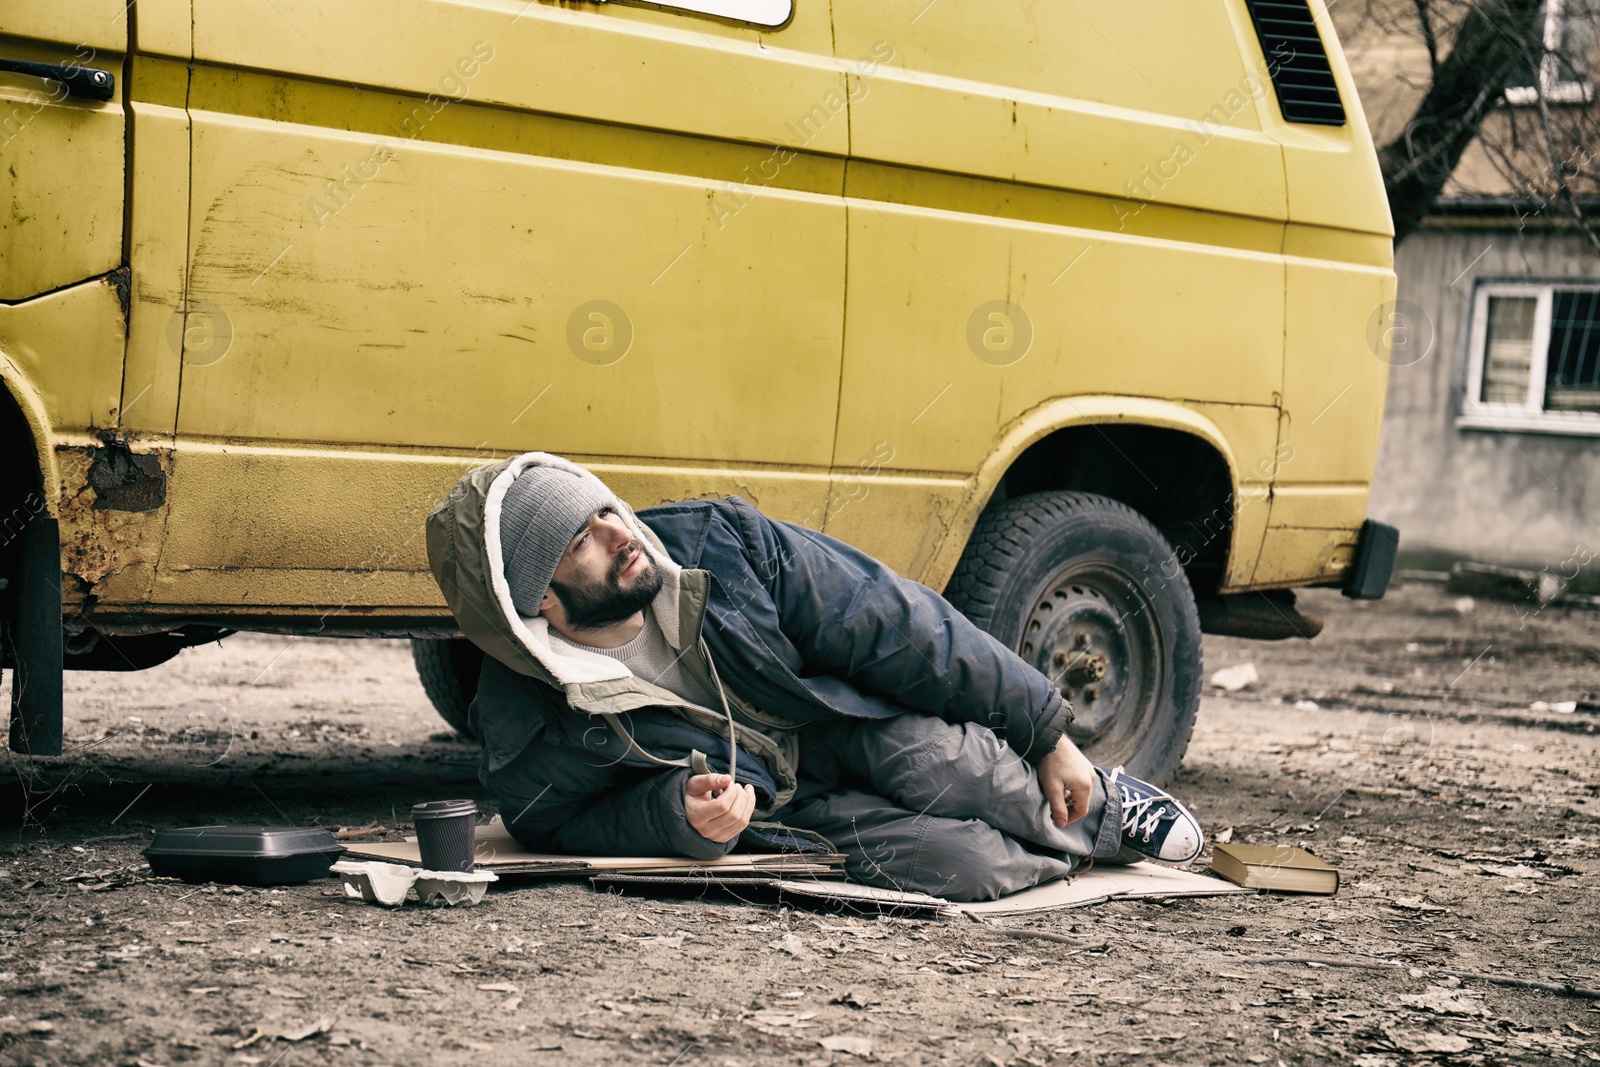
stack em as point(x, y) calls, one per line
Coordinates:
point(1297, 61)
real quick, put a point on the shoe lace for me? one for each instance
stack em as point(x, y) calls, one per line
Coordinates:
point(1140, 815)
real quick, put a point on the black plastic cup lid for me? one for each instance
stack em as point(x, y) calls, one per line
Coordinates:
point(444, 809)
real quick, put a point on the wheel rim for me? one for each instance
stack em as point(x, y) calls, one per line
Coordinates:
point(1092, 630)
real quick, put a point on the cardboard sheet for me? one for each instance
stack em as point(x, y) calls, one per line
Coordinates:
point(812, 876)
point(1096, 886)
point(1100, 884)
point(852, 894)
point(766, 888)
point(499, 852)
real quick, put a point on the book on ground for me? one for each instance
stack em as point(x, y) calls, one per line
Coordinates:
point(1278, 867)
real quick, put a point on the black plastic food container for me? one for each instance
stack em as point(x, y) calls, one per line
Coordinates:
point(243, 855)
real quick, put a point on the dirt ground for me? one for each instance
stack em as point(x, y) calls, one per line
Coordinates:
point(1403, 745)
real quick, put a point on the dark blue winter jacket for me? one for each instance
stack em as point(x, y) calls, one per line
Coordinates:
point(801, 627)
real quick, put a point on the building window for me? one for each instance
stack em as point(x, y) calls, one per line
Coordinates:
point(1565, 62)
point(1534, 362)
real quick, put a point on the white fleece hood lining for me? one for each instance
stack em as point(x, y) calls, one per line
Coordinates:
point(567, 665)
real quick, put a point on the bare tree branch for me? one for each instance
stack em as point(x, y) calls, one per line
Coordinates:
point(1558, 168)
point(1493, 38)
point(1429, 38)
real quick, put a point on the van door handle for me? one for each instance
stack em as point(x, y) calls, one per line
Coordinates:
point(79, 81)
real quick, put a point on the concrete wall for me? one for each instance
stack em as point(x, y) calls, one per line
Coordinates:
point(1518, 498)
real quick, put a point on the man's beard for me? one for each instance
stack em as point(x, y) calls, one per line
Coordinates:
point(606, 602)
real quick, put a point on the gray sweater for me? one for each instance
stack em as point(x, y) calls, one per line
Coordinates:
point(650, 657)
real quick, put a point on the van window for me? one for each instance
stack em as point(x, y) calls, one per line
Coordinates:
point(1185, 64)
point(755, 12)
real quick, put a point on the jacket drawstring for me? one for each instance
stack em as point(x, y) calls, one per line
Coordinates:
point(733, 747)
point(697, 760)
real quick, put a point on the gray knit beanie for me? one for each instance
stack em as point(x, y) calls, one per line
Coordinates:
point(541, 513)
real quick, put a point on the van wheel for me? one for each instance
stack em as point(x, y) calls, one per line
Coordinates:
point(449, 673)
point(1075, 584)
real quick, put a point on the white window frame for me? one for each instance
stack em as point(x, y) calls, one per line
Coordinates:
point(1529, 416)
point(1555, 90)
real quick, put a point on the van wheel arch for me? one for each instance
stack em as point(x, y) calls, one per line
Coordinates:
point(1176, 480)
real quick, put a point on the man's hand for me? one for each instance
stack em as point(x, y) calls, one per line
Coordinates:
point(717, 809)
point(1067, 778)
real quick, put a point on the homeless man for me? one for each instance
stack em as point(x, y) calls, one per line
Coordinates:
point(699, 676)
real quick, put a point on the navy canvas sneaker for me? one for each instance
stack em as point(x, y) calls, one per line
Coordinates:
point(1154, 824)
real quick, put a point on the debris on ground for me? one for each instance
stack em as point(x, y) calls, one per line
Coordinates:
point(1233, 679)
point(1506, 583)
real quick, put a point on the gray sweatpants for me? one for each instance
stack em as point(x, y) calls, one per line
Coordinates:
point(917, 803)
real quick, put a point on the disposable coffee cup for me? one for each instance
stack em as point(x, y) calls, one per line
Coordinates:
point(446, 833)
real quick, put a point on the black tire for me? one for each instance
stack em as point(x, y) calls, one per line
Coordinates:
point(449, 673)
point(1086, 590)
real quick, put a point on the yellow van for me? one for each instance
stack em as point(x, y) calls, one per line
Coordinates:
point(1075, 311)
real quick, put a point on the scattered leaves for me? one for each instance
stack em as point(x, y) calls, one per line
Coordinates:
point(1520, 870)
point(1411, 1041)
point(854, 1044)
point(852, 999)
point(782, 1019)
point(321, 1026)
point(256, 1034)
point(1443, 1001)
point(790, 944)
